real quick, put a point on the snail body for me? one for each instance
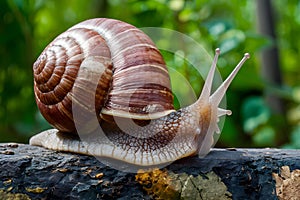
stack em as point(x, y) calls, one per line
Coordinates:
point(105, 81)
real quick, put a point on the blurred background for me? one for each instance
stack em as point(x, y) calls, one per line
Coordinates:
point(264, 97)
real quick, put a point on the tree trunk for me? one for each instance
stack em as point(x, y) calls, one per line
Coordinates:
point(37, 173)
point(270, 56)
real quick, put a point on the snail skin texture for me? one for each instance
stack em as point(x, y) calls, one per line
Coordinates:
point(105, 88)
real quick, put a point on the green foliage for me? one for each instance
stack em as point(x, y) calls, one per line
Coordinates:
point(294, 138)
point(255, 113)
point(26, 27)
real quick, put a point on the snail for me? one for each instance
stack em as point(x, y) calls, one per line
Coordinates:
point(106, 81)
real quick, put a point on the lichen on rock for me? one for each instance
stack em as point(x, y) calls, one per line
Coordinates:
point(11, 196)
point(287, 183)
point(163, 184)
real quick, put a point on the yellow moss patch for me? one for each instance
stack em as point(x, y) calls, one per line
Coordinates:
point(161, 184)
point(11, 196)
point(36, 190)
point(90, 171)
point(9, 189)
point(287, 183)
point(158, 184)
point(63, 170)
point(99, 175)
point(7, 182)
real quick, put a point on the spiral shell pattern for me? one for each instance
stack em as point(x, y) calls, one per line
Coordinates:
point(130, 76)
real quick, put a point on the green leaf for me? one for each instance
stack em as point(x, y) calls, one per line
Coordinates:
point(217, 27)
point(254, 113)
point(231, 40)
point(294, 139)
point(265, 137)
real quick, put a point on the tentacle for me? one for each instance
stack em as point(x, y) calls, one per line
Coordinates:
point(206, 90)
point(218, 95)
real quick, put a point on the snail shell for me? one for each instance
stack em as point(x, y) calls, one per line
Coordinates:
point(135, 78)
point(122, 69)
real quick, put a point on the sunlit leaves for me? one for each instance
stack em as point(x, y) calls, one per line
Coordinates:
point(265, 137)
point(294, 139)
point(255, 113)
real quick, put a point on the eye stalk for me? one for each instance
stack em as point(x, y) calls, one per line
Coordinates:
point(206, 90)
point(218, 95)
point(212, 102)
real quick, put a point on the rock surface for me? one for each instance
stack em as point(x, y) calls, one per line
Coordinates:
point(39, 173)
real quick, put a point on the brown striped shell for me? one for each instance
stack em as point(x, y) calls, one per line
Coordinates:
point(130, 75)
